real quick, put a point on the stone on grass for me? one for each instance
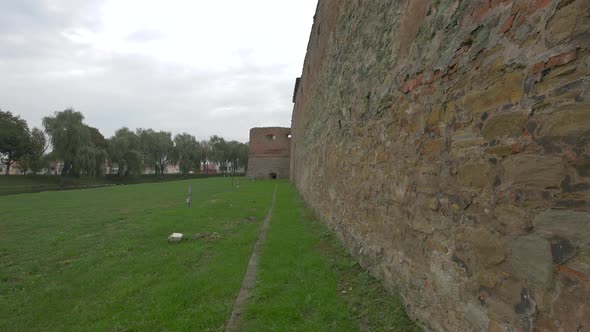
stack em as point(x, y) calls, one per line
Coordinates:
point(175, 237)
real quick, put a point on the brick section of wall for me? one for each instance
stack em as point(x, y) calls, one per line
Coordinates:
point(263, 144)
point(448, 144)
point(269, 152)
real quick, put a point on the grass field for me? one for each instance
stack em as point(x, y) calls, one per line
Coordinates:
point(98, 260)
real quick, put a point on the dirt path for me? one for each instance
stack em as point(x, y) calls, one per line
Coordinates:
point(250, 277)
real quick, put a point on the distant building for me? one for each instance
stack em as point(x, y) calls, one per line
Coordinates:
point(269, 153)
point(14, 170)
point(55, 168)
point(209, 168)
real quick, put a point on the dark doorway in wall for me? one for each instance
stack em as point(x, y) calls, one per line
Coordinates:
point(273, 176)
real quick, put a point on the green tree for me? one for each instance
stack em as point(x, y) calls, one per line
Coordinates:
point(124, 152)
point(14, 139)
point(99, 152)
point(156, 147)
point(243, 153)
point(186, 153)
point(219, 152)
point(237, 155)
point(86, 160)
point(205, 153)
point(233, 148)
point(97, 138)
point(100, 156)
point(71, 140)
point(35, 160)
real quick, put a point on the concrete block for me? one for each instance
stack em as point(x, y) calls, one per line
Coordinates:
point(175, 237)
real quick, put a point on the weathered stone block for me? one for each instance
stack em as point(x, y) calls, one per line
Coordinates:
point(513, 218)
point(531, 259)
point(534, 170)
point(567, 224)
point(504, 125)
point(477, 317)
point(466, 138)
point(570, 120)
point(441, 113)
point(474, 175)
point(559, 79)
point(508, 90)
point(434, 147)
point(500, 150)
point(568, 21)
point(490, 249)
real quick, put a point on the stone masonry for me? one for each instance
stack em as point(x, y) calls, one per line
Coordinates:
point(448, 145)
point(269, 153)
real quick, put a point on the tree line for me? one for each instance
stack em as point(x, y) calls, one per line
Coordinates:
point(83, 150)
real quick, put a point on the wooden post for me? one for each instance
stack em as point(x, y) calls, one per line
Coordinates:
point(190, 196)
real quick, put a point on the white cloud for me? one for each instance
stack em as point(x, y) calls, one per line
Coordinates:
point(204, 67)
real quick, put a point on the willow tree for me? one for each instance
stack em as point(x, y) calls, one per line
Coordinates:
point(242, 155)
point(99, 151)
point(205, 153)
point(157, 148)
point(219, 152)
point(69, 137)
point(34, 159)
point(124, 152)
point(186, 153)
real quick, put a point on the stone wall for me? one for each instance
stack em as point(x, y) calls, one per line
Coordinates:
point(269, 152)
point(447, 143)
point(262, 167)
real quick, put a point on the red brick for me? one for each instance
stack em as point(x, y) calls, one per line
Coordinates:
point(412, 84)
point(561, 59)
point(507, 24)
point(480, 12)
point(452, 68)
point(538, 67)
point(262, 142)
point(540, 4)
point(496, 3)
point(515, 9)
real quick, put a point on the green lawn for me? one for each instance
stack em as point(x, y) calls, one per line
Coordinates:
point(98, 260)
point(307, 282)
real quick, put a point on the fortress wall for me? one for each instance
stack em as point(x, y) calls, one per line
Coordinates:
point(447, 144)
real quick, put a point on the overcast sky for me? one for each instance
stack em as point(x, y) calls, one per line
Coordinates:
point(199, 66)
